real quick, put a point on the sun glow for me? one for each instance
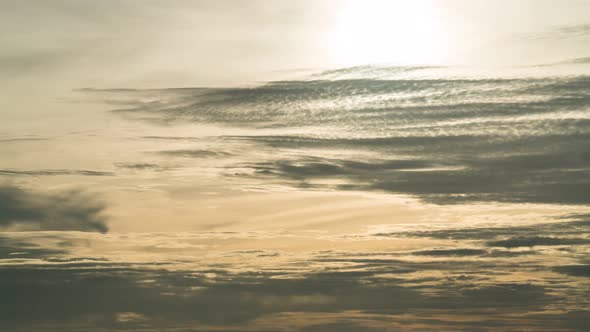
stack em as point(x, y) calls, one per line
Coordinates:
point(388, 31)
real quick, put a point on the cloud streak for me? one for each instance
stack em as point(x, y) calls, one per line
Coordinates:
point(53, 172)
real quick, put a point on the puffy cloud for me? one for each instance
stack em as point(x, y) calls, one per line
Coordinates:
point(29, 210)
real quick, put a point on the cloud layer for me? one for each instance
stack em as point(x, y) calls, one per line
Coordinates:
point(462, 284)
point(441, 134)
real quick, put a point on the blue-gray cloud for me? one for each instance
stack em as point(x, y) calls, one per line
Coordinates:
point(574, 228)
point(64, 211)
point(175, 299)
point(465, 279)
point(444, 140)
point(537, 241)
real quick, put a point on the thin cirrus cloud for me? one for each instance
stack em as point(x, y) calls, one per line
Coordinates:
point(53, 172)
point(569, 31)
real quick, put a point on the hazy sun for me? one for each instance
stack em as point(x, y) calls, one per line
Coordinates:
point(387, 31)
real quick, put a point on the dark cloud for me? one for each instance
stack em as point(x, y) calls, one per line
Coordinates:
point(138, 166)
point(344, 327)
point(447, 141)
point(193, 153)
point(73, 210)
point(547, 178)
point(571, 229)
point(11, 248)
point(509, 253)
point(574, 270)
point(37, 295)
point(466, 292)
point(537, 241)
point(173, 138)
point(53, 172)
point(450, 252)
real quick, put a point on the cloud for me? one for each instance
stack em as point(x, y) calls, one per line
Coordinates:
point(54, 172)
point(573, 229)
point(568, 31)
point(583, 60)
point(138, 166)
point(23, 139)
point(359, 102)
point(193, 153)
point(541, 178)
point(447, 288)
point(450, 252)
point(29, 210)
point(177, 299)
point(446, 141)
point(11, 248)
point(574, 270)
point(537, 241)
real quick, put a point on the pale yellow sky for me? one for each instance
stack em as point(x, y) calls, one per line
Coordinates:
point(201, 43)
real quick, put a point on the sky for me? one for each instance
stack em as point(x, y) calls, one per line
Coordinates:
point(327, 165)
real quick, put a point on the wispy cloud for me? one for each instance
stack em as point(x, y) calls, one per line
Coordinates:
point(138, 166)
point(53, 172)
point(568, 31)
point(538, 241)
point(193, 153)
